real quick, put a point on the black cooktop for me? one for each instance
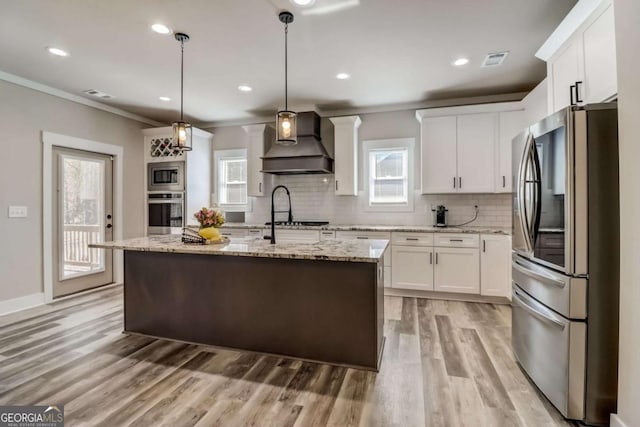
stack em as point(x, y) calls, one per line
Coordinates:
point(303, 223)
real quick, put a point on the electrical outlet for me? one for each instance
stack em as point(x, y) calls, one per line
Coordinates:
point(17, 211)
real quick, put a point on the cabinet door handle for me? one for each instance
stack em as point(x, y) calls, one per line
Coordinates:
point(484, 245)
point(460, 182)
point(504, 181)
point(430, 257)
point(260, 187)
point(412, 239)
point(578, 99)
point(362, 238)
point(436, 257)
point(571, 90)
point(454, 182)
point(456, 240)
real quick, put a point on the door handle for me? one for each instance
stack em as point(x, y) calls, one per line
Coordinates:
point(109, 226)
point(578, 99)
point(517, 298)
point(484, 245)
point(454, 182)
point(459, 182)
point(436, 257)
point(571, 90)
point(504, 181)
point(430, 257)
point(260, 187)
point(538, 274)
point(336, 185)
point(524, 219)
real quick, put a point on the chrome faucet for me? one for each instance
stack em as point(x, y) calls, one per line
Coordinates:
point(273, 212)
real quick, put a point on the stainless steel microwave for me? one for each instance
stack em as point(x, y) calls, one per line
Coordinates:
point(165, 176)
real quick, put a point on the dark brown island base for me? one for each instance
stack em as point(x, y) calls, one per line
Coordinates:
point(314, 301)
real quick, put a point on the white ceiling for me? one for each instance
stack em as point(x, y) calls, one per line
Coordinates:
point(396, 51)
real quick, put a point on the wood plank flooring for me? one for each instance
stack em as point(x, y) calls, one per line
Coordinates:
point(445, 364)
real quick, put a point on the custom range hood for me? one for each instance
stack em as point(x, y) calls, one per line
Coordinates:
point(308, 156)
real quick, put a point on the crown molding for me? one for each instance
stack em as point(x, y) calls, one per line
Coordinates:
point(20, 81)
point(387, 108)
point(569, 25)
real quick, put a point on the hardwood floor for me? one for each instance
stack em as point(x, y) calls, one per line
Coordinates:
point(445, 364)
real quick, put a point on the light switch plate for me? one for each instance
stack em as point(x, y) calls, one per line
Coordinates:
point(17, 211)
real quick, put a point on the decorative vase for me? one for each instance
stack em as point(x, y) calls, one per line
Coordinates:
point(209, 233)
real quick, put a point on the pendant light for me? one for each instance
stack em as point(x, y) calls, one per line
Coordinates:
point(286, 120)
point(182, 131)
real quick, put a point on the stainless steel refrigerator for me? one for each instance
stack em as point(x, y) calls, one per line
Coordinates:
point(566, 259)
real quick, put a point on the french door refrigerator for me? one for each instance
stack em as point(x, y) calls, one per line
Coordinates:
point(565, 259)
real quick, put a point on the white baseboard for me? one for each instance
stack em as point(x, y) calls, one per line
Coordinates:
point(617, 422)
point(21, 303)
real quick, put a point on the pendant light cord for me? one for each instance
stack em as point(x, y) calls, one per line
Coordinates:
point(286, 63)
point(181, 80)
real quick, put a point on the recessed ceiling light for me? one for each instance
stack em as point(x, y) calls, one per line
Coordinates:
point(58, 52)
point(342, 76)
point(164, 98)
point(460, 62)
point(245, 88)
point(303, 2)
point(161, 29)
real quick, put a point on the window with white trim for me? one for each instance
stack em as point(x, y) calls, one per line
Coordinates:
point(389, 174)
point(231, 178)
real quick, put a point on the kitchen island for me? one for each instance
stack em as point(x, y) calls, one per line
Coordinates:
point(313, 301)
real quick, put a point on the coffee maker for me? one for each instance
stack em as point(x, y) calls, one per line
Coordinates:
point(440, 216)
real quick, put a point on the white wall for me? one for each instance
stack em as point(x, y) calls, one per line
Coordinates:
point(627, 14)
point(535, 104)
point(313, 196)
point(24, 114)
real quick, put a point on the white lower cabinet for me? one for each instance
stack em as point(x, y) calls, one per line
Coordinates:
point(457, 270)
point(495, 268)
point(412, 267)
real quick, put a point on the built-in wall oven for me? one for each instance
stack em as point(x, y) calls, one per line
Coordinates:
point(165, 213)
point(165, 176)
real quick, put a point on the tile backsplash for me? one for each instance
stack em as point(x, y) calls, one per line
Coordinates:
point(313, 198)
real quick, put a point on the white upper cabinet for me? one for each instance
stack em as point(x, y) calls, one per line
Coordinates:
point(468, 149)
point(476, 145)
point(258, 138)
point(600, 79)
point(439, 155)
point(581, 56)
point(346, 154)
point(511, 123)
point(566, 73)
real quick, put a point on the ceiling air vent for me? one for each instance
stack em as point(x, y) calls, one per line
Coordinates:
point(494, 59)
point(98, 94)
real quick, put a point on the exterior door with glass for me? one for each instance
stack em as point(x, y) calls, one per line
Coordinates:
point(82, 214)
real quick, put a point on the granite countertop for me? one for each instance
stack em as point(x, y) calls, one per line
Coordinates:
point(331, 250)
point(386, 228)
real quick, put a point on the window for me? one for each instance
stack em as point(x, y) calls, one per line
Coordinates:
point(389, 174)
point(231, 182)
